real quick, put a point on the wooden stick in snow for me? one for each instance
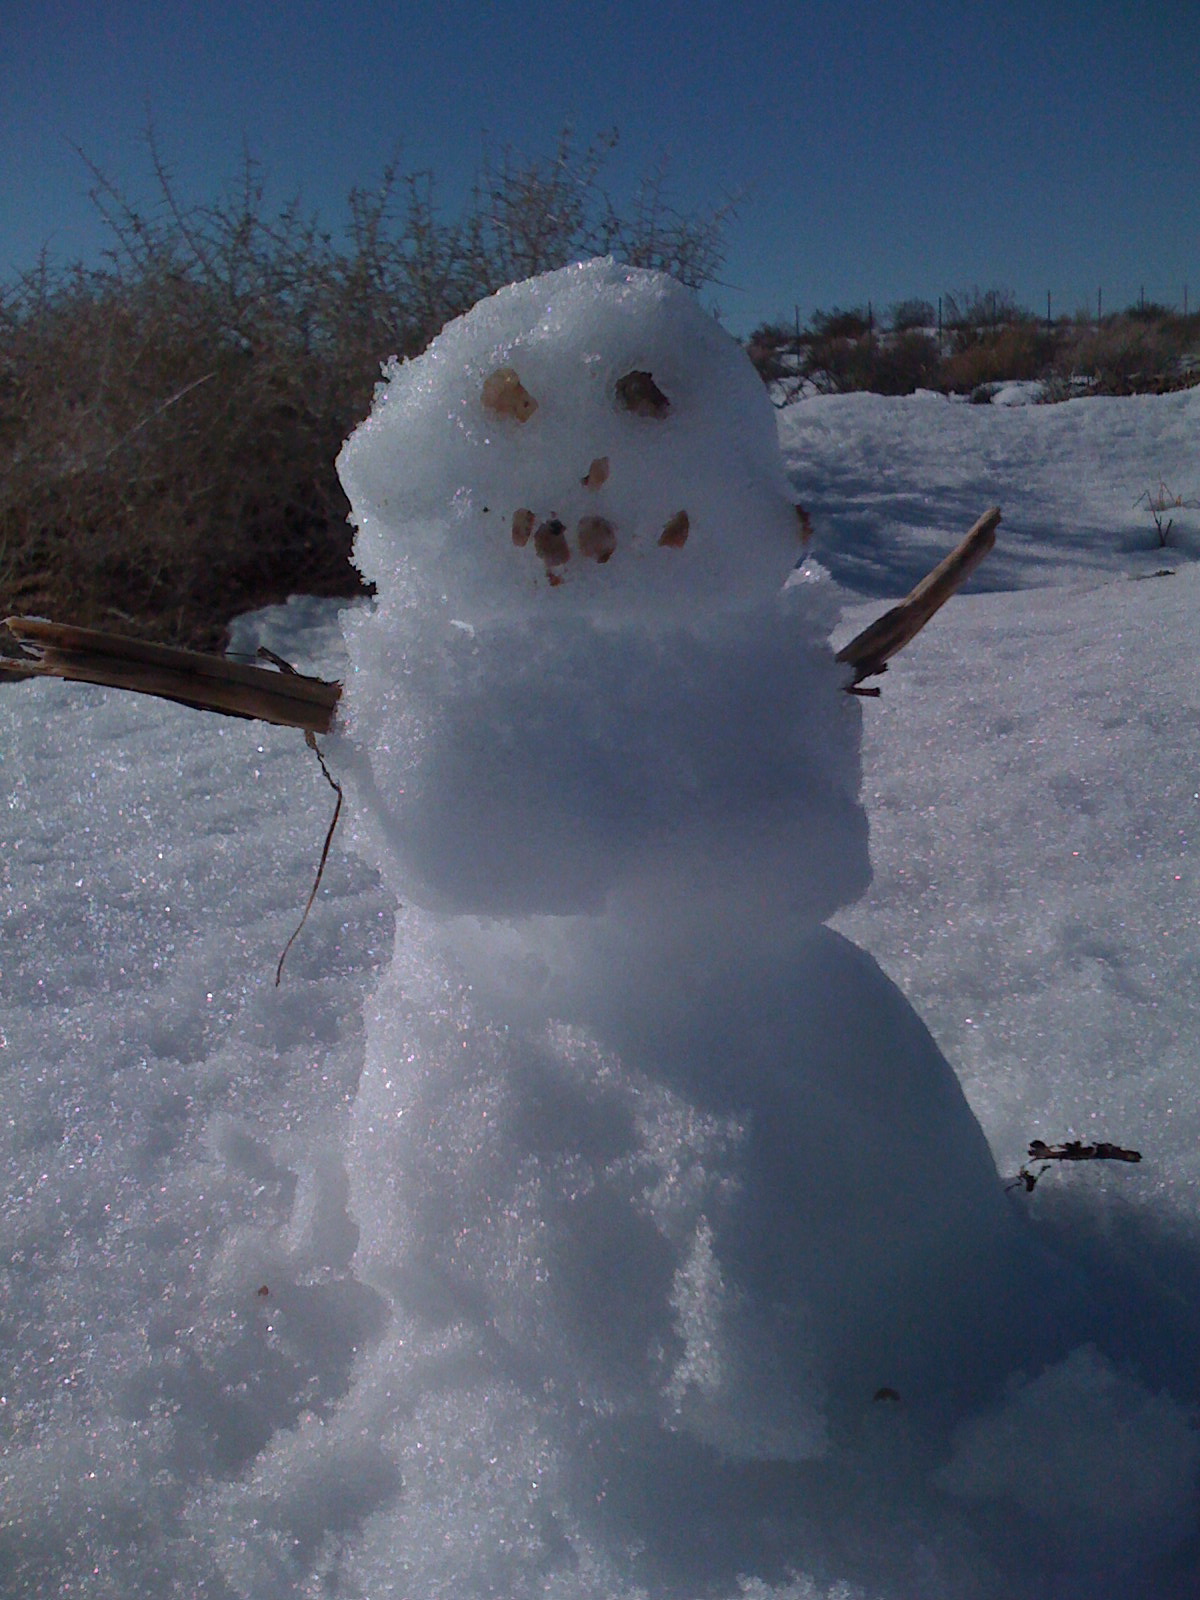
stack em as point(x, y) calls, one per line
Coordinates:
point(868, 652)
point(208, 682)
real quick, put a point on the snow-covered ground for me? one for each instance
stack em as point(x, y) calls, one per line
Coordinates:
point(208, 1385)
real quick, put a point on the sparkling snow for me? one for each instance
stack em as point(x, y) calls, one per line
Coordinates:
point(626, 1232)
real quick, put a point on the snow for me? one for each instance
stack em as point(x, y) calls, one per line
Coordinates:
point(1111, 1466)
point(895, 483)
point(564, 1248)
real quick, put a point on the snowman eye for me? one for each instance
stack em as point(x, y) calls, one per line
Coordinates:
point(674, 536)
point(638, 392)
point(506, 396)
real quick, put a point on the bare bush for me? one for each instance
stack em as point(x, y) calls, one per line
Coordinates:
point(906, 314)
point(1133, 355)
point(1023, 350)
point(769, 347)
point(989, 341)
point(839, 324)
point(982, 308)
point(908, 361)
point(170, 420)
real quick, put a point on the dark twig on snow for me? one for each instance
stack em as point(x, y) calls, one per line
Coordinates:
point(1074, 1150)
point(1071, 1150)
point(311, 740)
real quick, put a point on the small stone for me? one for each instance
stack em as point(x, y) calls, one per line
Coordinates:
point(506, 396)
point(522, 527)
point(597, 473)
point(638, 392)
point(550, 542)
point(596, 537)
point(675, 534)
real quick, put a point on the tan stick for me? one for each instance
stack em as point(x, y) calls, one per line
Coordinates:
point(208, 682)
point(868, 652)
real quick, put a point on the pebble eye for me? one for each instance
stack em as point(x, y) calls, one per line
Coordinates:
point(506, 396)
point(638, 392)
point(675, 535)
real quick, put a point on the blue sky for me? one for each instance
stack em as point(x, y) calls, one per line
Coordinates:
point(881, 151)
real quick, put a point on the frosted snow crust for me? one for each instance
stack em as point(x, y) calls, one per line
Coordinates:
point(1114, 1468)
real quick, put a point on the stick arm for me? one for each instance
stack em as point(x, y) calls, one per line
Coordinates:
point(208, 682)
point(869, 651)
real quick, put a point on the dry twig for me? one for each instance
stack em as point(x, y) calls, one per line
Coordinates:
point(208, 682)
point(311, 740)
point(868, 653)
point(1070, 1150)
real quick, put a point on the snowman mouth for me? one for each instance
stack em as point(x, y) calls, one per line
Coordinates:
point(593, 538)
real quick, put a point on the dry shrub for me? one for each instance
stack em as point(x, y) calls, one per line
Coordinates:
point(914, 313)
point(1018, 351)
point(1145, 350)
point(769, 347)
point(975, 308)
point(1133, 353)
point(852, 357)
point(903, 363)
point(836, 350)
point(166, 472)
point(169, 422)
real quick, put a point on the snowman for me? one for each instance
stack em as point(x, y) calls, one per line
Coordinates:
point(642, 1146)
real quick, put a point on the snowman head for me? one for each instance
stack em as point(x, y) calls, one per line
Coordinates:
point(591, 432)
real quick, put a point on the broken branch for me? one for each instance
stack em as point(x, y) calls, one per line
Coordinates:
point(311, 740)
point(1076, 1150)
point(207, 682)
point(868, 652)
point(1070, 1150)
